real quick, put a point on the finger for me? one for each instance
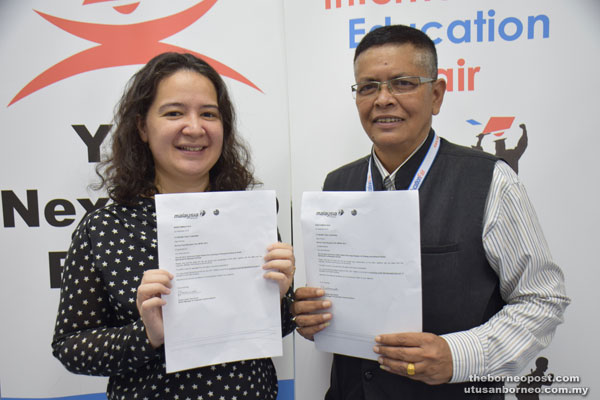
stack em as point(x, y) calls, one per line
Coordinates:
point(158, 276)
point(408, 354)
point(152, 289)
point(152, 303)
point(309, 306)
point(406, 339)
point(284, 275)
point(280, 265)
point(276, 276)
point(279, 245)
point(433, 359)
point(281, 279)
point(401, 368)
point(305, 293)
point(281, 250)
point(159, 272)
point(421, 371)
point(310, 331)
point(312, 320)
point(280, 254)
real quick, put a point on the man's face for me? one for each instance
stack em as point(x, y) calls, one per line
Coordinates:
point(396, 124)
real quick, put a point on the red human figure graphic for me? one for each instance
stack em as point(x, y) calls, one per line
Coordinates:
point(121, 45)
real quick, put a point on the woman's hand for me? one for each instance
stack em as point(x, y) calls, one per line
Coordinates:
point(280, 262)
point(155, 283)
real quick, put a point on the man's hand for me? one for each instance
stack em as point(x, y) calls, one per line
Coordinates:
point(429, 353)
point(308, 311)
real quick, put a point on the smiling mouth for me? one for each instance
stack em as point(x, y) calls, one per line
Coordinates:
point(191, 148)
point(388, 119)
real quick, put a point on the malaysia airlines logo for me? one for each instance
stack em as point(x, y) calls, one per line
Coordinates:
point(120, 45)
point(497, 128)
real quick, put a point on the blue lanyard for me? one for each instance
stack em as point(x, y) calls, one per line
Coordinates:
point(423, 168)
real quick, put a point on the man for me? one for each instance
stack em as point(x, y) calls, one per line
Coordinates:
point(492, 296)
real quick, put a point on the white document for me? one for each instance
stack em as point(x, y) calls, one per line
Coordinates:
point(363, 249)
point(221, 308)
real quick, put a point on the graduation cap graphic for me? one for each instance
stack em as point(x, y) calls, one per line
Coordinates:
point(495, 126)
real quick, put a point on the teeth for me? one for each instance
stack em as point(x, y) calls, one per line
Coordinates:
point(389, 119)
point(189, 148)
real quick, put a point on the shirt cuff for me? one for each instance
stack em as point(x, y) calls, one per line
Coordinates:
point(468, 356)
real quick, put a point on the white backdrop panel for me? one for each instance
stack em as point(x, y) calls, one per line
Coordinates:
point(41, 151)
point(546, 82)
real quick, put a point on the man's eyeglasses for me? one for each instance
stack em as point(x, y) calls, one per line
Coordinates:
point(400, 85)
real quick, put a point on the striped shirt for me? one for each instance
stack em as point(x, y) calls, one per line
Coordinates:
point(531, 284)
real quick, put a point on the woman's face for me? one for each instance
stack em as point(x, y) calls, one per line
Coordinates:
point(184, 130)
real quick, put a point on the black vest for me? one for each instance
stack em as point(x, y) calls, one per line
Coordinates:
point(460, 290)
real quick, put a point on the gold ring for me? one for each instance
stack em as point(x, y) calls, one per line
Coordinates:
point(294, 320)
point(410, 369)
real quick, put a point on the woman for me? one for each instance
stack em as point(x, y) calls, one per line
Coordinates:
point(174, 133)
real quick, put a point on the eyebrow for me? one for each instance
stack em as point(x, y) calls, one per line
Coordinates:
point(400, 75)
point(176, 104)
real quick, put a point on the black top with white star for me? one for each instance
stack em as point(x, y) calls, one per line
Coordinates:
point(98, 328)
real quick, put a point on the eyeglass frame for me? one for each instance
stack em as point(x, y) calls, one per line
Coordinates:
point(422, 80)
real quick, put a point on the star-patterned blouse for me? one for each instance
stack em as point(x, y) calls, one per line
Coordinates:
point(98, 328)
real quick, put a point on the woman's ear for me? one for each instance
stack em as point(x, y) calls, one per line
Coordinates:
point(139, 121)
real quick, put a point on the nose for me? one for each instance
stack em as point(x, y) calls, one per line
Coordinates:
point(193, 126)
point(384, 97)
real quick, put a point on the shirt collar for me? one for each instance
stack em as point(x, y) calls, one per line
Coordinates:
point(384, 172)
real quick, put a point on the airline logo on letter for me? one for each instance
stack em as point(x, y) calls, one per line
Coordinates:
point(121, 45)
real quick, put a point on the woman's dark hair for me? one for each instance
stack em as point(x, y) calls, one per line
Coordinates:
point(129, 170)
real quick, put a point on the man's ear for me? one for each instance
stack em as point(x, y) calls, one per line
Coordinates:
point(141, 125)
point(439, 89)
